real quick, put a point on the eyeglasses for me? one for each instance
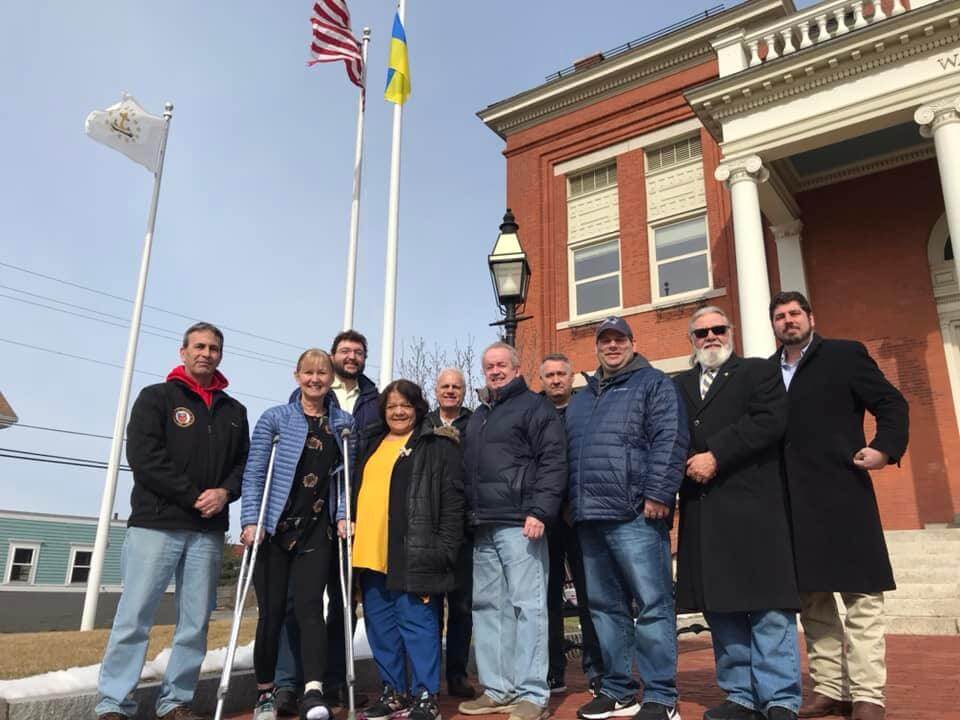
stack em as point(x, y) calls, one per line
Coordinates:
point(718, 330)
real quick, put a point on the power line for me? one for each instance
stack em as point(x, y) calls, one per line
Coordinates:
point(61, 430)
point(55, 456)
point(128, 300)
point(91, 465)
point(235, 350)
point(114, 365)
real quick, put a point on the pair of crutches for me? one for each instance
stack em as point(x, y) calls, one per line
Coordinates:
point(245, 578)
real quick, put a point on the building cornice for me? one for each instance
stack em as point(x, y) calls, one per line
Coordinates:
point(665, 55)
point(914, 33)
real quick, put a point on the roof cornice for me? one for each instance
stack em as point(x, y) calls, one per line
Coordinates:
point(622, 72)
point(925, 29)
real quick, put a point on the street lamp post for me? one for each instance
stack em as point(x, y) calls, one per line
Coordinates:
point(510, 273)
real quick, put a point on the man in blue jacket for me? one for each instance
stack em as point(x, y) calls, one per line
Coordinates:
point(627, 440)
point(516, 474)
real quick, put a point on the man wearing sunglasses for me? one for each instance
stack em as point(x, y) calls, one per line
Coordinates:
point(735, 561)
point(837, 534)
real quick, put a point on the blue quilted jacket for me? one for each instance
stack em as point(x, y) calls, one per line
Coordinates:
point(627, 441)
point(287, 422)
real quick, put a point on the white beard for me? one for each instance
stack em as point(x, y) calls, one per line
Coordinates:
point(713, 357)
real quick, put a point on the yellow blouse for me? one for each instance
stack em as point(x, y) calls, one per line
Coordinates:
point(370, 543)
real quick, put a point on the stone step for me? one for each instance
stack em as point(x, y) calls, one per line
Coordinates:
point(925, 591)
point(927, 562)
point(903, 625)
point(940, 549)
point(942, 607)
point(927, 575)
point(896, 537)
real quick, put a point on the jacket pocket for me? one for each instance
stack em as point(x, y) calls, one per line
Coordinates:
point(518, 482)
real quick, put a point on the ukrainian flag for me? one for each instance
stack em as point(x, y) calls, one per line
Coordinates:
point(398, 69)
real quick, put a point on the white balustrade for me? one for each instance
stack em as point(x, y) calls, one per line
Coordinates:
point(817, 24)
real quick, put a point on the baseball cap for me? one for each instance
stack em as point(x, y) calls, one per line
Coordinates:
point(617, 324)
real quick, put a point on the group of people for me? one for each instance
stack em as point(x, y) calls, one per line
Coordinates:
point(482, 513)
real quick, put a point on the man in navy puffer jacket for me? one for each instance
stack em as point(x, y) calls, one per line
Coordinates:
point(627, 440)
point(516, 475)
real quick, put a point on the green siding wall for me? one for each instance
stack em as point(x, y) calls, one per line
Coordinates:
point(56, 538)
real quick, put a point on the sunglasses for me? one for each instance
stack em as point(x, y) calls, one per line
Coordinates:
point(718, 330)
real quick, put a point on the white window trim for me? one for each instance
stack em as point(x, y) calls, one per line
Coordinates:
point(655, 296)
point(74, 549)
point(14, 545)
point(572, 282)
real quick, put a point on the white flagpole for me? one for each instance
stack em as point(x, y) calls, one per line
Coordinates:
point(351, 283)
point(393, 224)
point(119, 424)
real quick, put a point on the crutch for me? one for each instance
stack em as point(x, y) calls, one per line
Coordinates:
point(346, 577)
point(244, 579)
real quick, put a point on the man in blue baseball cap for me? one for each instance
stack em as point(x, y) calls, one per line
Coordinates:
point(627, 441)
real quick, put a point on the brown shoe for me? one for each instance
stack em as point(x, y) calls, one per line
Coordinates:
point(183, 712)
point(868, 711)
point(486, 705)
point(822, 706)
point(526, 710)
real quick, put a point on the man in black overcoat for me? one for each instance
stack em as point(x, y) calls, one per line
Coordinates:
point(735, 561)
point(837, 535)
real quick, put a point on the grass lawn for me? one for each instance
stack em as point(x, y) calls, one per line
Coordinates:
point(26, 654)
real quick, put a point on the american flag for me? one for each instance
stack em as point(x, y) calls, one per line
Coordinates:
point(333, 40)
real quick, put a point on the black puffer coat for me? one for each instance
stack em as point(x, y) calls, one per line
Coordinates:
point(425, 518)
point(515, 458)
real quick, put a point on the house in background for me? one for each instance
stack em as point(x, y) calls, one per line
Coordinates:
point(45, 561)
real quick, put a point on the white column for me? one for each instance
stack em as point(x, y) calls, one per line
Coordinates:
point(742, 177)
point(941, 121)
point(790, 256)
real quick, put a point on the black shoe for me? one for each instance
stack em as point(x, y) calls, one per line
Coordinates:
point(604, 706)
point(425, 708)
point(337, 697)
point(557, 685)
point(285, 702)
point(389, 704)
point(313, 707)
point(728, 710)
point(780, 713)
point(595, 685)
point(657, 711)
point(460, 687)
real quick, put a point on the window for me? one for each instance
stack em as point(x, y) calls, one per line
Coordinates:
point(79, 569)
point(22, 563)
point(681, 257)
point(596, 276)
point(596, 179)
point(679, 152)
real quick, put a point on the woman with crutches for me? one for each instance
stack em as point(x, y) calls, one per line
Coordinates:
point(297, 536)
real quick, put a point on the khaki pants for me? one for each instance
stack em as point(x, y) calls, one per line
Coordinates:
point(857, 672)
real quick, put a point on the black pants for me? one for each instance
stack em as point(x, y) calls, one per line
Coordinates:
point(303, 572)
point(564, 547)
point(460, 613)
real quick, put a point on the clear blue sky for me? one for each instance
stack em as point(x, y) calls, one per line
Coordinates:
point(253, 218)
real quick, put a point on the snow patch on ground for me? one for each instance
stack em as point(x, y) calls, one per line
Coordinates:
point(80, 680)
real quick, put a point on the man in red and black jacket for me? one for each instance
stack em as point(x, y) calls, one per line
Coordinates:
point(187, 444)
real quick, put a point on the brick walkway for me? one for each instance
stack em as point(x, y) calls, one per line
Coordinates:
point(923, 681)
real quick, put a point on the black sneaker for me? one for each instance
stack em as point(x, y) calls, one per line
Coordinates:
point(657, 711)
point(557, 685)
point(780, 713)
point(337, 697)
point(285, 701)
point(313, 707)
point(390, 704)
point(424, 708)
point(728, 710)
point(604, 706)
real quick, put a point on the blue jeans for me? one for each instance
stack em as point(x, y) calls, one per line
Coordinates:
point(630, 561)
point(758, 662)
point(401, 625)
point(510, 613)
point(150, 559)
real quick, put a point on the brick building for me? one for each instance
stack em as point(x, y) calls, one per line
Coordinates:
point(751, 150)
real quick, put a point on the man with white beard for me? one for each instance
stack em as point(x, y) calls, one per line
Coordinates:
point(735, 560)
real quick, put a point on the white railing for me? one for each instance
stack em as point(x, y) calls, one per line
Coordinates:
point(815, 25)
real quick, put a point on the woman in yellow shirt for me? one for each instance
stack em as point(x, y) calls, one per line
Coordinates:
point(409, 508)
